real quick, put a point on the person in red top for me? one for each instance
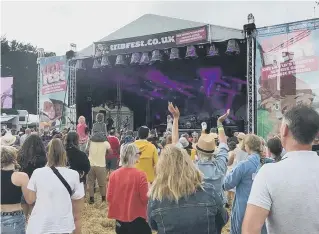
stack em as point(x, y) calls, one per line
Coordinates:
point(127, 195)
point(112, 159)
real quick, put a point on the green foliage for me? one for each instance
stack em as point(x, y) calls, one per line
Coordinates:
point(19, 60)
point(264, 124)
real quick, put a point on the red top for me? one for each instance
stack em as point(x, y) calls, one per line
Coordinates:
point(80, 129)
point(115, 146)
point(127, 194)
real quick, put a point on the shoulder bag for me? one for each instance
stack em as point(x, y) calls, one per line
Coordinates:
point(64, 182)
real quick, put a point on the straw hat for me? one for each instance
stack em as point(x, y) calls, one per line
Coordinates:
point(8, 139)
point(206, 143)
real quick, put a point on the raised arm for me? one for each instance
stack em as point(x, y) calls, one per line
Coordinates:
point(175, 112)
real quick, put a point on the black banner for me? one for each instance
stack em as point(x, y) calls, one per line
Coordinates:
point(153, 42)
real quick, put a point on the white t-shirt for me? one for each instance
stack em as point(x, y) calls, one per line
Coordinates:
point(289, 189)
point(52, 212)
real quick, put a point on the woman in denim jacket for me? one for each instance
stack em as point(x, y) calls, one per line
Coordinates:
point(242, 177)
point(179, 202)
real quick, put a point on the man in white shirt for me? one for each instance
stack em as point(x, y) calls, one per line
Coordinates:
point(287, 193)
point(25, 136)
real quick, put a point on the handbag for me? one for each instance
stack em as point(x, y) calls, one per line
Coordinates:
point(64, 182)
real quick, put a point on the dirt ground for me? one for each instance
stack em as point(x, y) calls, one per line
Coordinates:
point(95, 221)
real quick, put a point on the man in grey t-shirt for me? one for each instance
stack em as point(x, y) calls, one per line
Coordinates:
point(287, 193)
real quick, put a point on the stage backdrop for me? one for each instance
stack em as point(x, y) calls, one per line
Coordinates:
point(6, 92)
point(53, 91)
point(287, 71)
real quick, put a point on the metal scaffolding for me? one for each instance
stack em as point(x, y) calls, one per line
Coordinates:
point(40, 56)
point(119, 106)
point(250, 34)
point(72, 93)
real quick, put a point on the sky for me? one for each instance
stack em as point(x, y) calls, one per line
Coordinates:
point(53, 25)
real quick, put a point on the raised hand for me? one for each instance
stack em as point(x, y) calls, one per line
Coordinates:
point(222, 118)
point(173, 110)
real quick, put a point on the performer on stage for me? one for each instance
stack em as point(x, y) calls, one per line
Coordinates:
point(169, 124)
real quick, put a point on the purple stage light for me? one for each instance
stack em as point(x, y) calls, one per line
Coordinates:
point(145, 59)
point(232, 47)
point(191, 52)
point(212, 51)
point(135, 59)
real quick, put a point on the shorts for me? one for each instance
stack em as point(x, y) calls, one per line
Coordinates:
point(112, 163)
point(13, 222)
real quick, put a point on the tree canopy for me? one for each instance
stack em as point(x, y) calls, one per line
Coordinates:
point(19, 60)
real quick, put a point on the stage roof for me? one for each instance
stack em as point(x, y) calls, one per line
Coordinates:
point(152, 24)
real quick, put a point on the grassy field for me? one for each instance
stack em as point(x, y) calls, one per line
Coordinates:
point(95, 221)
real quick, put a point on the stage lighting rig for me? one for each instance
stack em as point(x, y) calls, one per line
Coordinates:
point(174, 55)
point(105, 61)
point(72, 52)
point(250, 27)
point(145, 59)
point(212, 51)
point(96, 63)
point(191, 52)
point(156, 56)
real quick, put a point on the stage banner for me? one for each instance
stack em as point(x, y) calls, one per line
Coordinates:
point(53, 91)
point(6, 92)
point(287, 71)
point(153, 42)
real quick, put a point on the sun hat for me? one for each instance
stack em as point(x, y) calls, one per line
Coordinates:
point(206, 143)
point(8, 139)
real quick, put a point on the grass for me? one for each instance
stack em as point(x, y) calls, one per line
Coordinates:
point(95, 221)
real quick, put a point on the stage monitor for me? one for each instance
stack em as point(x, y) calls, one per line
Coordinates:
point(6, 92)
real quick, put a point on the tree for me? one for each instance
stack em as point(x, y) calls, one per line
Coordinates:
point(19, 60)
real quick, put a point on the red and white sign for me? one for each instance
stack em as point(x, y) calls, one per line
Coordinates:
point(191, 36)
point(54, 88)
point(306, 64)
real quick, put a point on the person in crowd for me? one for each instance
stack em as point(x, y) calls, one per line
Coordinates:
point(99, 148)
point(8, 139)
point(46, 137)
point(31, 155)
point(295, 176)
point(168, 140)
point(149, 154)
point(128, 204)
point(240, 153)
point(77, 159)
point(57, 193)
point(153, 138)
point(183, 143)
point(127, 138)
point(214, 168)
point(112, 160)
point(81, 130)
point(231, 156)
point(178, 191)
point(315, 145)
point(241, 178)
point(26, 134)
point(13, 185)
point(275, 148)
point(99, 127)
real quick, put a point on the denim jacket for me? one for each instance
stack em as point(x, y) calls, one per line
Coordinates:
point(215, 170)
point(193, 214)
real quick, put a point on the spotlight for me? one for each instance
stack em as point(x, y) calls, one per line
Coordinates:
point(212, 51)
point(145, 59)
point(156, 56)
point(120, 60)
point(79, 64)
point(232, 47)
point(135, 59)
point(105, 61)
point(174, 54)
point(191, 52)
point(96, 63)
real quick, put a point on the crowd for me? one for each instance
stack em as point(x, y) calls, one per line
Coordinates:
point(174, 184)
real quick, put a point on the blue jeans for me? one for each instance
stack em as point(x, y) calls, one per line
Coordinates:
point(12, 222)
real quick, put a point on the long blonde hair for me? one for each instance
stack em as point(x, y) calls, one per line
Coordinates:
point(254, 143)
point(176, 177)
point(56, 154)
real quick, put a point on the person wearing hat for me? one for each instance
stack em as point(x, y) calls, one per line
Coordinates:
point(8, 139)
point(213, 168)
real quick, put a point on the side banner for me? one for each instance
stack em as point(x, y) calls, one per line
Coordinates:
point(153, 42)
point(53, 91)
point(287, 71)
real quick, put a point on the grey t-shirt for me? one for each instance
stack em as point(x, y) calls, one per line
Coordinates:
point(289, 189)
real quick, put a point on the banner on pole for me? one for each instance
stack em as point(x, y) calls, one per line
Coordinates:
point(153, 42)
point(53, 91)
point(287, 71)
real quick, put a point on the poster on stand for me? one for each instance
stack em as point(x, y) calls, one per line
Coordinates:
point(53, 92)
point(287, 71)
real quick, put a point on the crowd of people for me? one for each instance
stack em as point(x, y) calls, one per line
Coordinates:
point(174, 184)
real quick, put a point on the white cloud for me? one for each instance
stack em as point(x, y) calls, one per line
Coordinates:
point(54, 25)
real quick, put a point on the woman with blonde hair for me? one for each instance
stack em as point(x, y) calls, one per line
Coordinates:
point(178, 199)
point(242, 177)
point(13, 184)
point(127, 194)
point(57, 193)
point(82, 131)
